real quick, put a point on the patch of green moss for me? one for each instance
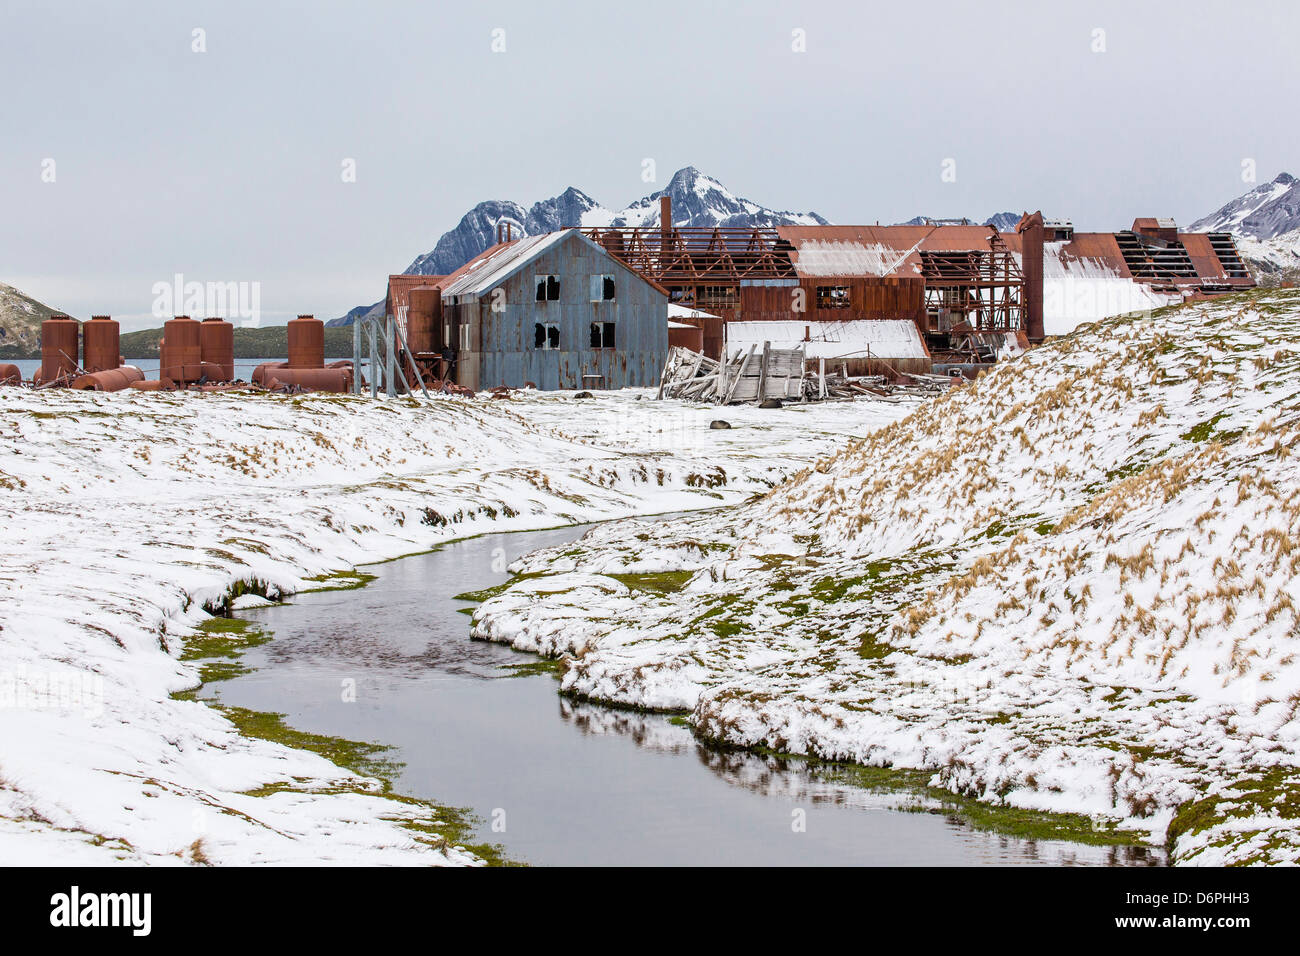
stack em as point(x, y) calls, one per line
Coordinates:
point(1203, 431)
point(1269, 793)
point(542, 665)
point(339, 581)
point(486, 594)
point(659, 582)
point(218, 645)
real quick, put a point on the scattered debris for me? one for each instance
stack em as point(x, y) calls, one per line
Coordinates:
point(775, 376)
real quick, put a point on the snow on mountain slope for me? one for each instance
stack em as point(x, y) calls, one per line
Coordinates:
point(698, 200)
point(1268, 210)
point(20, 322)
point(1002, 221)
point(1070, 586)
point(124, 513)
point(1276, 257)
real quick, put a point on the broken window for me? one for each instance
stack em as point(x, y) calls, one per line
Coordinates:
point(546, 335)
point(602, 335)
point(832, 297)
point(548, 288)
point(602, 288)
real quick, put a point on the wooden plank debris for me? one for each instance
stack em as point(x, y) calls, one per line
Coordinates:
point(781, 374)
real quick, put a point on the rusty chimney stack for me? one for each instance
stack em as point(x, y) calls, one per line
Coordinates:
point(1030, 228)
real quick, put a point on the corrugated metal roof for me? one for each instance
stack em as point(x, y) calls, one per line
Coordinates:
point(686, 312)
point(400, 287)
point(497, 264)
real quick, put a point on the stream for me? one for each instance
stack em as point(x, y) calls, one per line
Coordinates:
point(560, 782)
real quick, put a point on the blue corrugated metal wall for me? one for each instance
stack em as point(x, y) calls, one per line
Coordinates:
point(506, 354)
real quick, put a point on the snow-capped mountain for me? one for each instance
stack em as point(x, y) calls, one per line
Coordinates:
point(1266, 224)
point(1264, 212)
point(1002, 221)
point(698, 200)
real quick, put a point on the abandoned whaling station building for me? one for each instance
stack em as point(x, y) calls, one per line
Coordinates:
point(556, 310)
point(589, 307)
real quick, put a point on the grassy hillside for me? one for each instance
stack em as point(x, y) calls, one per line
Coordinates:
point(1072, 586)
point(20, 323)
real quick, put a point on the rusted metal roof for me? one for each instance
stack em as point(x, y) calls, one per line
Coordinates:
point(401, 286)
point(876, 250)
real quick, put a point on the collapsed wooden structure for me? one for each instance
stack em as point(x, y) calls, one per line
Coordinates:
point(785, 375)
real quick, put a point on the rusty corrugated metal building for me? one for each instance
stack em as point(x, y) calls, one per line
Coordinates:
point(555, 310)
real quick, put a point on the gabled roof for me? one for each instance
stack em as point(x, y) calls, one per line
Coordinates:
point(488, 270)
point(493, 266)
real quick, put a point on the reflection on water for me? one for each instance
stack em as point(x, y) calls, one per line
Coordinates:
point(574, 782)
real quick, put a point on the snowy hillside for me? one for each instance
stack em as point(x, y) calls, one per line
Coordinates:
point(698, 200)
point(1071, 586)
point(1264, 212)
point(1276, 258)
point(20, 322)
point(125, 513)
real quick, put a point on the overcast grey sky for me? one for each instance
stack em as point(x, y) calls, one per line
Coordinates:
point(226, 165)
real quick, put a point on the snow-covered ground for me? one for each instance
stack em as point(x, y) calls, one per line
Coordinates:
point(124, 513)
point(1069, 586)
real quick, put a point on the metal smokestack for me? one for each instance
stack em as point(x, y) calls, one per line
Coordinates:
point(1030, 228)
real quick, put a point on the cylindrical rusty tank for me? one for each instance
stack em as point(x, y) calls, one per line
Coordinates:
point(181, 351)
point(100, 348)
point(217, 342)
point(9, 375)
point(59, 341)
point(109, 380)
point(306, 342)
point(151, 385)
point(423, 316)
point(685, 336)
point(316, 379)
point(261, 374)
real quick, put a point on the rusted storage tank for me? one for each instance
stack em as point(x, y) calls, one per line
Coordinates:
point(261, 374)
point(181, 352)
point(423, 316)
point(58, 346)
point(306, 342)
point(109, 380)
point(685, 336)
point(317, 379)
point(100, 346)
point(217, 346)
point(9, 375)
